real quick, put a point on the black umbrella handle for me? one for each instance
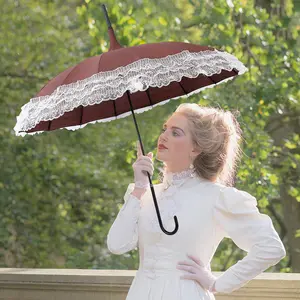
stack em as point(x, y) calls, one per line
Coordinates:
point(151, 185)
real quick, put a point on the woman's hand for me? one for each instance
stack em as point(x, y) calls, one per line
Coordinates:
point(197, 271)
point(142, 165)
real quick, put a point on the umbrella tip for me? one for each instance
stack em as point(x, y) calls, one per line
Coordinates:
point(114, 44)
point(106, 16)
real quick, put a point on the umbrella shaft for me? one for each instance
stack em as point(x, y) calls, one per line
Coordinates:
point(151, 185)
point(135, 123)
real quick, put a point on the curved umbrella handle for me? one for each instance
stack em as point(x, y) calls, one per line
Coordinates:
point(158, 213)
point(151, 185)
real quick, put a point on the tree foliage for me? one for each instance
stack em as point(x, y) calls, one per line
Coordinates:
point(60, 191)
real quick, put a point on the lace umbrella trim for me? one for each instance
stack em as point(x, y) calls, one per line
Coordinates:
point(110, 85)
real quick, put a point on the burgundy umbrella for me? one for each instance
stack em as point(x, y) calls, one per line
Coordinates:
point(124, 81)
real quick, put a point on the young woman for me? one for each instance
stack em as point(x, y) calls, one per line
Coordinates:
point(200, 148)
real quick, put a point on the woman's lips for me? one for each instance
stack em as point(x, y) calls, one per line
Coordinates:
point(162, 148)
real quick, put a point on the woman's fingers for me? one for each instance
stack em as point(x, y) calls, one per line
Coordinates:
point(190, 269)
point(148, 169)
point(140, 153)
point(196, 260)
point(145, 158)
point(138, 148)
point(142, 162)
point(189, 263)
point(189, 276)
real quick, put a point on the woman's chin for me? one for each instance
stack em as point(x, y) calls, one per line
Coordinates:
point(161, 156)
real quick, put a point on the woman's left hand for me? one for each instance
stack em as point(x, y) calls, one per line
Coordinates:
point(197, 271)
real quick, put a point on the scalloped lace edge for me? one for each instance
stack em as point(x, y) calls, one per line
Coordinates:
point(110, 85)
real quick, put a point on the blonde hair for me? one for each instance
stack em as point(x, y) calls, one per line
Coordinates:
point(217, 134)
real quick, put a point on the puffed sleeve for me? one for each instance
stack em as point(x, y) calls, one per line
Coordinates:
point(237, 215)
point(123, 234)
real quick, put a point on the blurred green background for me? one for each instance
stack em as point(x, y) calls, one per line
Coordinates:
point(60, 191)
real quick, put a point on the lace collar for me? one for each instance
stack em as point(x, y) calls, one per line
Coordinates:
point(176, 178)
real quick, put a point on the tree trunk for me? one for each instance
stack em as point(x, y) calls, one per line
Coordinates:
point(280, 129)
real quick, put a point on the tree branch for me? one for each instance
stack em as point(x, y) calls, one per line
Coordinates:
point(253, 56)
point(23, 76)
point(283, 230)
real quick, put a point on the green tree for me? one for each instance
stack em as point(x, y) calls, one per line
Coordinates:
point(263, 34)
point(60, 191)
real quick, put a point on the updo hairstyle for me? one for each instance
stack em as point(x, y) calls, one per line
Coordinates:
point(217, 134)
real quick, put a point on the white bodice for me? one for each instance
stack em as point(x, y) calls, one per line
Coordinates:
point(207, 212)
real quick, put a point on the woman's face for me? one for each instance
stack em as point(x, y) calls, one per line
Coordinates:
point(175, 135)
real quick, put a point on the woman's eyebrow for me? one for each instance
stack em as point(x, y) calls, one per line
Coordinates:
point(175, 127)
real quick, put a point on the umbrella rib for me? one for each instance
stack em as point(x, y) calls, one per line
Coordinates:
point(212, 80)
point(148, 94)
point(115, 110)
point(98, 69)
point(81, 115)
point(183, 88)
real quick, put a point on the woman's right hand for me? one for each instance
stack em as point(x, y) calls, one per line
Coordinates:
point(141, 166)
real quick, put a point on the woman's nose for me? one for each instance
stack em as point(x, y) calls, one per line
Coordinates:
point(163, 136)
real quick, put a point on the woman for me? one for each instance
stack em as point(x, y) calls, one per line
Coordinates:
point(199, 148)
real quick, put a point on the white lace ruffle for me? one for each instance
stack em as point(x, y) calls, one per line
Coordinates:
point(177, 177)
point(110, 85)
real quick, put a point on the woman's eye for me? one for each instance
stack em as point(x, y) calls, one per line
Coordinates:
point(174, 132)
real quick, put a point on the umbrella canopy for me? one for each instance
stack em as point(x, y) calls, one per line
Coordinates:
point(95, 90)
point(125, 81)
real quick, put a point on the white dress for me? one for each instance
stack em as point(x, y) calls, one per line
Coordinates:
point(207, 212)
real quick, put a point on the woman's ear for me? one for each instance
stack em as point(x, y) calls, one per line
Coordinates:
point(195, 153)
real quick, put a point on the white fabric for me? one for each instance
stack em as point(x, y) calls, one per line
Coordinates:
point(110, 85)
point(207, 212)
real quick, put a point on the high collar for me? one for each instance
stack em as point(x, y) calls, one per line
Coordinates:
point(176, 178)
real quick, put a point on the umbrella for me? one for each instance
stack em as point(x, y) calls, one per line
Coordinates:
point(125, 81)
